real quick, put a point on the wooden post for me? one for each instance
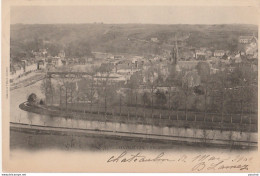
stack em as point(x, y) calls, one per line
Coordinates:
point(152, 102)
point(120, 106)
point(205, 104)
point(135, 103)
point(51, 93)
point(222, 99)
point(71, 95)
point(241, 108)
point(60, 96)
point(66, 95)
point(98, 107)
point(92, 94)
point(85, 105)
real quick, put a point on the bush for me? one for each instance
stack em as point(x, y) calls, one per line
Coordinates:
point(41, 102)
point(32, 98)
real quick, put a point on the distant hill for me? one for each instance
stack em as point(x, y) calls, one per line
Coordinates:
point(125, 38)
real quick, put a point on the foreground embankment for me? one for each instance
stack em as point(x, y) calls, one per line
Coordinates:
point(36, 136)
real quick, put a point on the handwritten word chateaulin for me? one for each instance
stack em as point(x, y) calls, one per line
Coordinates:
point(197, 163)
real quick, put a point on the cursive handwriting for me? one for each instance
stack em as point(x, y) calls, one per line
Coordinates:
point(197, 163)
point(218, 166)
point(138, 157)
point(210, 162)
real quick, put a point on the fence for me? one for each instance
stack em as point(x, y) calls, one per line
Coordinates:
point(132, 112)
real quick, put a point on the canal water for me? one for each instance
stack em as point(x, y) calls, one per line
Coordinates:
point(17, 115)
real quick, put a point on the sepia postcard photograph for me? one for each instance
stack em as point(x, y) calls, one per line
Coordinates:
point(120, 86)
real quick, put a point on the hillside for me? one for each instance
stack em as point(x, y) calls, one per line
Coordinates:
point(124, 38)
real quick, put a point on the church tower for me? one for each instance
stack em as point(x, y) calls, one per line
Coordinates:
point(174, 67)
point(174, 54)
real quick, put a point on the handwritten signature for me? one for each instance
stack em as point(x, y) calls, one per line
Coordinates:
point(137, 158)
point(197, 163)
point(210, 162)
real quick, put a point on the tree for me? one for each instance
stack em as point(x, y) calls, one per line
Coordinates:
point(53, 49)
point(171, 81)
point(87, 88)
point(32, 98)
point(48, 89)
point(92, 91)
point(146, 99)
point(104, 72)
point(242, 88)
point(177, 101)
point(151, 76)
point(186, 90)
point(232, 43)
point(203, 71)
point(133, 84)
point(219, 87)
point(161, 99)
point(121, 95)
point(241, 77)
point(198, 90)
point(67, 84)
point(41, 102)
point(78, 49)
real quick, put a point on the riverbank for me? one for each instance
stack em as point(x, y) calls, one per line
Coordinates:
point(27, 80)
point(101, 117)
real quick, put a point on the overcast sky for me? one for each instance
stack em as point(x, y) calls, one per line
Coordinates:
point(134, 14)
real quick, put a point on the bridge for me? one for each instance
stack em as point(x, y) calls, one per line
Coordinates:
point(71, 77)
point(74, 75)
point(67, 74)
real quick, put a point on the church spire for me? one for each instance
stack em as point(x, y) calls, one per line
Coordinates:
point(174, 54)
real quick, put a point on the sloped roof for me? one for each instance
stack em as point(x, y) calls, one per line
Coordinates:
point(246, 37)
point(219, 51)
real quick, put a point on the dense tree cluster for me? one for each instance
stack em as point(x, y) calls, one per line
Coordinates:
point(26, 49)
point(223, 93)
